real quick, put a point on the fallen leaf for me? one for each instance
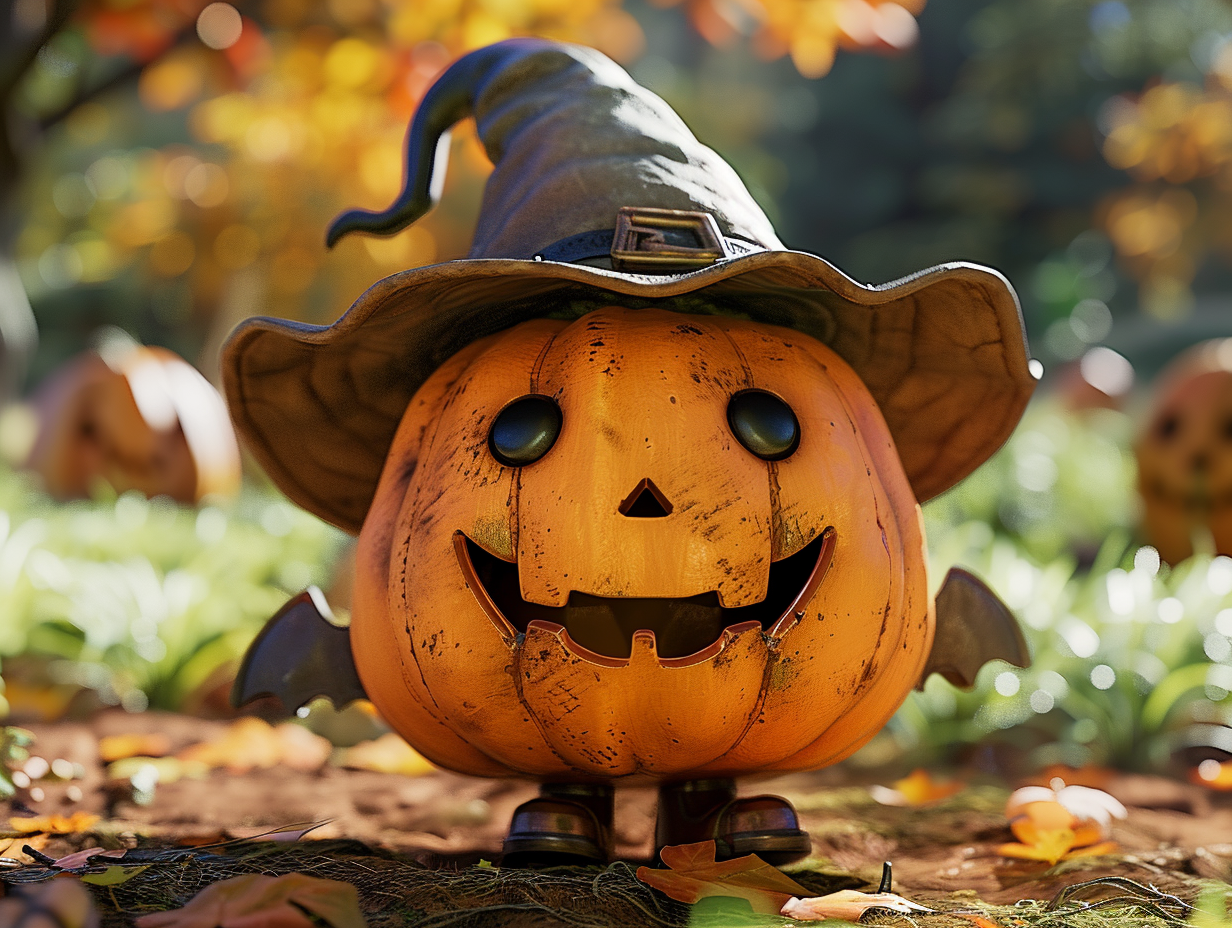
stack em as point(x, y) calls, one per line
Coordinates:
point(386, 754)
point(257, 901)
point(848, 904)
point(694, 875)
point(114, 876)
point(12, 847)
point(166, 769)
point(118, 747)
point(1045, 813)
point(46, 703)
point(917, 789)
point(251, 744)
point(1213, 774)
point(81, 858)
point(287, 834)
point(55, 824)
point(1055, 844)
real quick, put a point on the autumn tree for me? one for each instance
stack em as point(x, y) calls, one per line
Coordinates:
point(203, 195)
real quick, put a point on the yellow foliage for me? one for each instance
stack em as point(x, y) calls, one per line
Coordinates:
point(1173, 132)
point(54, 824)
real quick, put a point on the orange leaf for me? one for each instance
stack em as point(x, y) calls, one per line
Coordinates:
point(54, 824)
point(1092, 850)
point(257, 901)
point(918, 789)
point(249, 743)
point(694, 875)
point(386, 754)
point(1047, 816)
point(847, 904)
point(118, 747)
point(1087, 833)
point(12, 847)
point(1048, 845)
point(1214, 774)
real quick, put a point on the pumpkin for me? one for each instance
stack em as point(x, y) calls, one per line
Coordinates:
point(1184, 455)
point(642, 546)
point(139, 418)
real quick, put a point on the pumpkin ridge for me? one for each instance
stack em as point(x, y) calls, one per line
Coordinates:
point(541, 726)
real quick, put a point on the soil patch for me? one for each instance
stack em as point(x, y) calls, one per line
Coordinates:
point(417, 847)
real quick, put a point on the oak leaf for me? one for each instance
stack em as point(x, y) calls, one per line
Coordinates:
point(848, 904)
point(694, 874)
point(258, 901)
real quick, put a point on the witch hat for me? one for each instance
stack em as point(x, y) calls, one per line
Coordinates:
point(599, 195)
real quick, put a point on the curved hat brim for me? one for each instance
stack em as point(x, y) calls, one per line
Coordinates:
point(943, 352)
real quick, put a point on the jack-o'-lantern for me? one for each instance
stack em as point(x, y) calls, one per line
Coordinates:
point(637, 504)
point(138, 418)
point(1185, 455)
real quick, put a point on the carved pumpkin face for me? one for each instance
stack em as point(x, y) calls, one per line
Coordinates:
point(142, 420)
point(1185, 455)
point(641, 545)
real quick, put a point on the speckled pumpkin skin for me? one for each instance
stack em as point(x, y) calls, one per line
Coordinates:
point(643, 394)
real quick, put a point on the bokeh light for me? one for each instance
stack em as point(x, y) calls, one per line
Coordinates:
point(219, 25)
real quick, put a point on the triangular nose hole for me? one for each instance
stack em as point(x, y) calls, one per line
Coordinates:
point(646, 502)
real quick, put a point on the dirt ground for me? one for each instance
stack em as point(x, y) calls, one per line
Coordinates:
point(1176, 833)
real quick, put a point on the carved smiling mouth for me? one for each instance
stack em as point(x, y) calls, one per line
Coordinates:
point(605, 625)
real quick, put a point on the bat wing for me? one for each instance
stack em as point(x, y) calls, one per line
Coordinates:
point(298, 656)
point(973, 628)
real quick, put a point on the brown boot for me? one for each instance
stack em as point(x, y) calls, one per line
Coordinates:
point(763, 825)
point(568, 824)
point(703, 810)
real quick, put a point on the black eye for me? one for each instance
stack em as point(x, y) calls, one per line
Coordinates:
point(1168, 426)
point(524, 431)
point(764, 424)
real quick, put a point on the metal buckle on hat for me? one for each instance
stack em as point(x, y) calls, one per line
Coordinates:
point(655, 240)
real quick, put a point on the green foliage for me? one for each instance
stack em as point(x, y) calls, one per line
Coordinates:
point(141, 601)
point(1131, 660)
point(1061, 485)
point(13, 744)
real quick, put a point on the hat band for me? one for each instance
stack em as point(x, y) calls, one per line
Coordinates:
point(598, 244)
